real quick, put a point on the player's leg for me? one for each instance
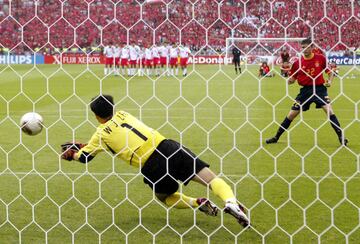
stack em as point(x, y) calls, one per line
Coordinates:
point(221, 189)
point(181, 201)
point(149, 69)
point(117, 69)
point(105, 69)
point(335, 124)
point(133, 68)
point(165, 186)
point(111, 68)
point(168, 72)
point(236, 64)
point(161, 68)
point(171, 69)
point(122, 68)
point(156, 70)
point(128, 68)
point(295, 110)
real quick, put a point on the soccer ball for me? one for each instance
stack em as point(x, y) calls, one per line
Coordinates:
point(31, 123)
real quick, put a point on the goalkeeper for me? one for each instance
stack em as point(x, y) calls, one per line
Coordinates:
point(163, 162)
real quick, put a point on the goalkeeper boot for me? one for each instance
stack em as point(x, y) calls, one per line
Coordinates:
point(272, 140)
point(237, 211)
point(207, 207)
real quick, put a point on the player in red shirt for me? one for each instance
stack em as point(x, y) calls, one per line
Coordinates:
point(285, 56)
point(285, 69)
point(308, 72)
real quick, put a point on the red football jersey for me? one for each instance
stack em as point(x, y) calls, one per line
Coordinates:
point(311, 70)
point(266, 69)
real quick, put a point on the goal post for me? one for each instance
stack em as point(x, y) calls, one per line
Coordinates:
point(254, 50)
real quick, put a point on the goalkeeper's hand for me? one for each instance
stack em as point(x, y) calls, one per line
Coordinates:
point(68, 149)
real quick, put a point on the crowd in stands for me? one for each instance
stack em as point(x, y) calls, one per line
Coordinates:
point(202, 24)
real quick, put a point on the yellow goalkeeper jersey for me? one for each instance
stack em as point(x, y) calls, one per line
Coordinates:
point(126, 137)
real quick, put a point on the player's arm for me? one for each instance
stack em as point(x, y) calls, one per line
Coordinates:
point(87, 153)
point(293, 72)
point(330, 78)
point(291, 80)
point(329, 72)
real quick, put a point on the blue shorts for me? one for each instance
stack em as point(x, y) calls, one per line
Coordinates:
point(308, 95)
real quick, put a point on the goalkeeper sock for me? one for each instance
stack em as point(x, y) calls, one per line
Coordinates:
point(284, 126)
point(179, 200)
point(335, 125)
point(222, 190)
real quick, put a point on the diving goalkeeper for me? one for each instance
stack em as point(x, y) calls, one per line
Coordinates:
point(163, 161)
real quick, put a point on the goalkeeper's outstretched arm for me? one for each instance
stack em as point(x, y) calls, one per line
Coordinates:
point(83, 157)
point(83, 153)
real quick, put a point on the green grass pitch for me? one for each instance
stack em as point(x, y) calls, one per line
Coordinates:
point(304, 189)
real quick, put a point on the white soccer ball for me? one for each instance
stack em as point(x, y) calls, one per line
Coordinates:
point(31, 123)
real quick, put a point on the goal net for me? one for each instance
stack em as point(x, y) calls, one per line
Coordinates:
point(303, 189)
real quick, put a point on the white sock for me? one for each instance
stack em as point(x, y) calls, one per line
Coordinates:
point(177, 71)
point(185, 71)
point(231, 200)
point(105, 71)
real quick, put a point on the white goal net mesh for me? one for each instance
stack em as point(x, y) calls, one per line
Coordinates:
point(305, 189)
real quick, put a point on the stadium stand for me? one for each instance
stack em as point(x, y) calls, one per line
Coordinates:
point(81, 26)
